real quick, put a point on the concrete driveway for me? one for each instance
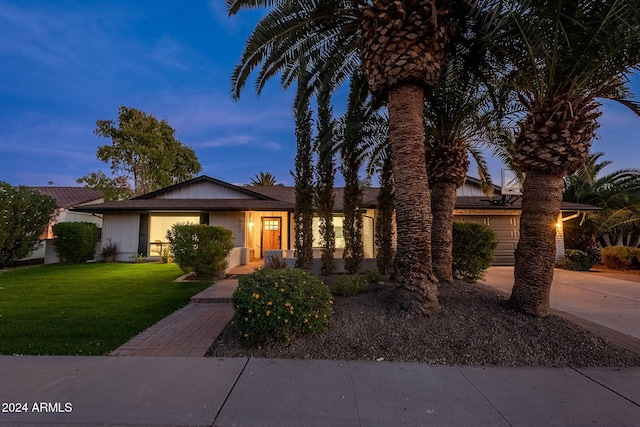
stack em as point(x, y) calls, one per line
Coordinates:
point(611, 302)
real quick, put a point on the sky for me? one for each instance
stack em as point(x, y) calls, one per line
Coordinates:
point(65, 64)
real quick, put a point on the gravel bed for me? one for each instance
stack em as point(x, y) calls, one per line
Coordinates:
point(475, 327)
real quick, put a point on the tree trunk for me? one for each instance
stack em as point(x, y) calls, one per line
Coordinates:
point(417, 290)
point(443, 200)
point(536, 251)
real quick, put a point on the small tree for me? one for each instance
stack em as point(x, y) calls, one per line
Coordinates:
point(473, 248)
point(303, 176)
point(75, 241)
point(384, 222)
point(201, 249)
point(24, 214)
point(326, 176)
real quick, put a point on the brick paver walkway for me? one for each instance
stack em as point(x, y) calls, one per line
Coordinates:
point(188, 331)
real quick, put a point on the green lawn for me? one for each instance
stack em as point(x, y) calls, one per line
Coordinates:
point(85, 309)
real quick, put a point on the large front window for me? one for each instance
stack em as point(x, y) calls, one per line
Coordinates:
point(318, 242)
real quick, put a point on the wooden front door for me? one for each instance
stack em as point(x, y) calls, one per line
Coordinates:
point(271, 235)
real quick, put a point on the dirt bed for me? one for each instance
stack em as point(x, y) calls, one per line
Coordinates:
point(475, 327)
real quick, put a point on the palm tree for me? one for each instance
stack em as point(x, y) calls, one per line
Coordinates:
point(617, 194)
point(263, 180)
point(463, 115)
point(566, 55)
point(400, 48)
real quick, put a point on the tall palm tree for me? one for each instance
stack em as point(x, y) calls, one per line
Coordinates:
point(400, 47)
point(566, 55)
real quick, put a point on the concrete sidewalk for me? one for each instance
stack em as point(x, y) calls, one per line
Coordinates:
point(152, 391)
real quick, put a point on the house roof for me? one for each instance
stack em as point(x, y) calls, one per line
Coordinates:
point(68, 197)
point(200, 179)
point(282, 198)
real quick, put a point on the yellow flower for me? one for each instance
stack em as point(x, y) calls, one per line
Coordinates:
point(286, 320)
point(306, 320)
point(246, 319)
point(256, 296)
point(287, 304)
point(324, 315)
point(281, 289)
point(330, 301)
point(268, 312)
point(316, 316)
point(249, 311)
point(246, 335)
point(269, 303)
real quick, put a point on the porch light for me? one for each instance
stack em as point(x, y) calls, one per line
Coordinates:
point(250, 223)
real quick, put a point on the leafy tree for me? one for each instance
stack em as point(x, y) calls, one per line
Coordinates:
point(325, 179)
point(117, 188)
point(303, 177)
point(400, 48)
point(24, 214)
point(565, 56)
point(263, 180)
point(143, 152)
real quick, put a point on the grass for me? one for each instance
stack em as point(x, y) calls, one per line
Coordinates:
point(85, 309)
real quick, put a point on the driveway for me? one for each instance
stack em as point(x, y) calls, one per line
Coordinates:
point(592, 295)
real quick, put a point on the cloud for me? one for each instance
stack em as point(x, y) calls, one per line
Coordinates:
point(241, 140)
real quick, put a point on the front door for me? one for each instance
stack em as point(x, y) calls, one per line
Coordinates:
point(270, 234)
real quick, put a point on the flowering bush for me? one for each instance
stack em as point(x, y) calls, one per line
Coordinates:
point(276, 304)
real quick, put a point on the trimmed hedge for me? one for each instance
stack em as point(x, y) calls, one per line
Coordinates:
point(201, 249)
point(75, 241)
point(621, 257)
point(276, 304)
point(473, 248)
point(575, 260)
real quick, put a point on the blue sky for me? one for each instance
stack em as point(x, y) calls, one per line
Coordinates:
point(66, 64)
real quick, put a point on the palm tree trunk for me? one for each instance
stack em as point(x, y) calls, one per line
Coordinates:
point(417, 290)
point(443, 200)
point(536, 251)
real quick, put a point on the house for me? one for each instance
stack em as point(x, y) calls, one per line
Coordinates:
point(66, 198)
point(261, 218)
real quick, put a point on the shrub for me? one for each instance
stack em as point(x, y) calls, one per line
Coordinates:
point(350, 285)
point(24, 215)
point(473, 247)
point(75, 241)
point(109, 251)
point(201, 249)
point(575, 260)
point(276, 304)
point(373, 276)
point(274, 262)
point(621, 257)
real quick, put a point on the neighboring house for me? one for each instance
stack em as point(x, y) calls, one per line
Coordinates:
point(66, 198)
point(261, 218)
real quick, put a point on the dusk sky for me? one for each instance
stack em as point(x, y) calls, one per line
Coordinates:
point(66, 64)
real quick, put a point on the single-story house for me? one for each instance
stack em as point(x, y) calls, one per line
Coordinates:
point(66, 198)
point(261, 218)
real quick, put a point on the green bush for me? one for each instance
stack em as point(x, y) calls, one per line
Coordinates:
point(350, 285)
point(276, 304)
point(575, 260)
point(473, 247)
point(24, 215)
point(201, 249)
point(621, 257)
point(373, 277)
point(75, 241)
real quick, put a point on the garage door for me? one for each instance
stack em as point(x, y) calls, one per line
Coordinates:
point(506, 227)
